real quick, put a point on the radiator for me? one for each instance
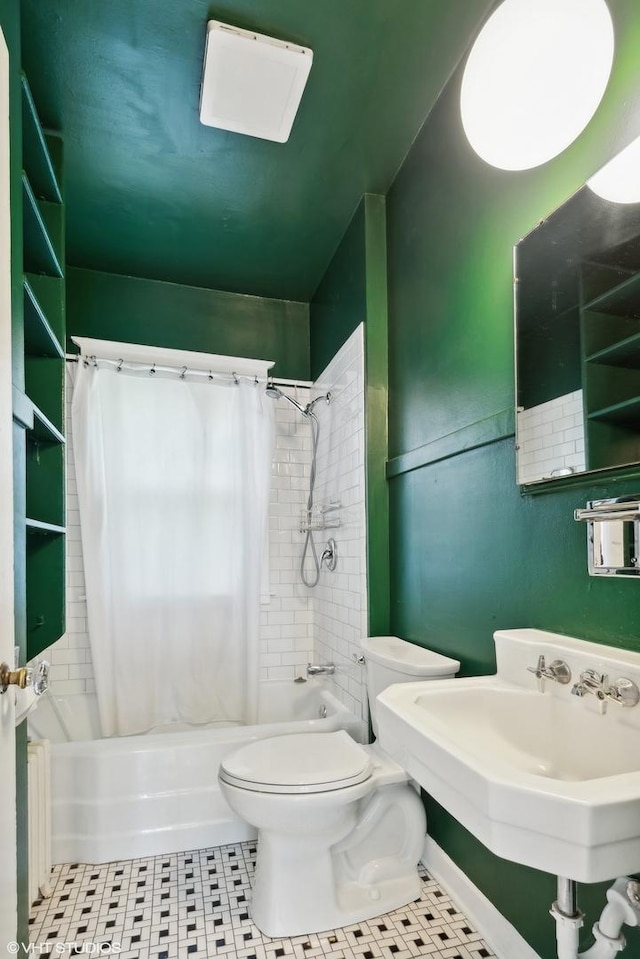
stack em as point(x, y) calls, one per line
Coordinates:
point(39, 804)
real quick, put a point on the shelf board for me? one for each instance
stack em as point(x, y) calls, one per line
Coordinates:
point(622, 300)
point(39, 338)
point(36, 528)
point(38, 162)
point(626, 412)
point(44, 430)
point(39, 249)
point(624, 353)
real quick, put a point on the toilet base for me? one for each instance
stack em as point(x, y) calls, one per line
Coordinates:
point(335, 857)
point(303, 885)
point(278, 910)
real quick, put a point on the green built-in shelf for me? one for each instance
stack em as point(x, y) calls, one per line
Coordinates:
point(44, 385)
point(45, 482)
point(37, 158)
point(45, 589)
point(44, 368)
point(43, 429)
point(621, 300)
point(42, 226)
point(626, 412)
point(39, 337)
point(37, 528)
point(625, 353)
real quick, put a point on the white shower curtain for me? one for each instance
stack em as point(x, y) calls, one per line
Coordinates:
point(173, 486)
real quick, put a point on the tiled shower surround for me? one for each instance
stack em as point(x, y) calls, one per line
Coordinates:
point(297, 625)
point(340, 599)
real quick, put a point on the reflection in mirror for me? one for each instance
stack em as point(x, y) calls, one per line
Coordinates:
point(578, 339)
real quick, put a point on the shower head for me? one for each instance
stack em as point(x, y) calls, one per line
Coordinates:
point(274, 393)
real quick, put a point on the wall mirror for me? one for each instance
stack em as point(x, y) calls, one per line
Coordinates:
point(577, 304)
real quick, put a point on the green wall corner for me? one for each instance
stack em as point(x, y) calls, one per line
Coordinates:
point(353, 290)
point(377, 414)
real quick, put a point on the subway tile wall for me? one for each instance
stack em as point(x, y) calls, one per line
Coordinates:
point(340, 599)
point(286, 620)
point(286, 614)
point(551, 438)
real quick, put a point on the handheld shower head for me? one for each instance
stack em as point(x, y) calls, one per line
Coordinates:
point(274, 393)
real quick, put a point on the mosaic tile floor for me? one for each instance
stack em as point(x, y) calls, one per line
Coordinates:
point(194, 904)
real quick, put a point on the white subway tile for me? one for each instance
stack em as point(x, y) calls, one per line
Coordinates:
point(69, 687)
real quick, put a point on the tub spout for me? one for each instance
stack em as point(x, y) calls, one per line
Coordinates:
point(328, 669)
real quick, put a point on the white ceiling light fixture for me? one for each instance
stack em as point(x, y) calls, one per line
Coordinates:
point(534, 79)
point(251, 83)
point(619, 180)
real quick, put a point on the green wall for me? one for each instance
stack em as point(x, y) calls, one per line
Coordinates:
point(353, 290)
point(132, 310)
point(469, 554)
point(340, 301)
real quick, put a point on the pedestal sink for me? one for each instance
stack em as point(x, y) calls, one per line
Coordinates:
point(542, 777)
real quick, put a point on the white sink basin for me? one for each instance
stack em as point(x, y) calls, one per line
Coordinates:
point(541, 778)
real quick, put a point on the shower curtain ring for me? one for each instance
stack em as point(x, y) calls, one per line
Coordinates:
point(119, 368)
point(210, 375)
point(94, 361)
point(235, 379)
point(183, 372)
point(152, 370)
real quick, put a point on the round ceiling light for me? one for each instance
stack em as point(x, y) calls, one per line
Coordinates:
point(619, 180)
point(534, 79)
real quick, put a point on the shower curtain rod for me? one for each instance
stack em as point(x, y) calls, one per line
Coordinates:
point(184, 370)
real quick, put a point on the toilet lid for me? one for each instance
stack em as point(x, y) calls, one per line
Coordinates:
point(298, 763)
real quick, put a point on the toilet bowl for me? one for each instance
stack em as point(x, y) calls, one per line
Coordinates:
point(340, 830)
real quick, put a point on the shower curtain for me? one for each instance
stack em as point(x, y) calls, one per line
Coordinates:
point(173, 486)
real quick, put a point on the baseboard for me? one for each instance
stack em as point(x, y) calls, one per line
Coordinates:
point(499, 934)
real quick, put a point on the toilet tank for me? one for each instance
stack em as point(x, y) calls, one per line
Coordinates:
point(392, 660)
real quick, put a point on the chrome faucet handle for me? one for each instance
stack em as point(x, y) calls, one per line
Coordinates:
point(539, 672)
point(593, 682)
point(624, 692)
point(590, 682)
point(558, 672)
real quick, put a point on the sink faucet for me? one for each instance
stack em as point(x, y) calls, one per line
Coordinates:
point(557, 672)
point(624, 692)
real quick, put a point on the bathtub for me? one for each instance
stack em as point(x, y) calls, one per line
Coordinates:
point(155, 794)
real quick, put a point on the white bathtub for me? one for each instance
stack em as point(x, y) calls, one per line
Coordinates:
point(155, 794)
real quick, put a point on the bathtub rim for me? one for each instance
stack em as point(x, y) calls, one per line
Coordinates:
point(339, 716)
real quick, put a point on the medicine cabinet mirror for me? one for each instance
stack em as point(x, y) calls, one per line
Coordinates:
point(577, 340)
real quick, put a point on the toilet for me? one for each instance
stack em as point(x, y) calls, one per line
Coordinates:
point(340, 829)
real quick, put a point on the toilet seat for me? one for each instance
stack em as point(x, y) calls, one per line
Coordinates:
point(298, 764)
